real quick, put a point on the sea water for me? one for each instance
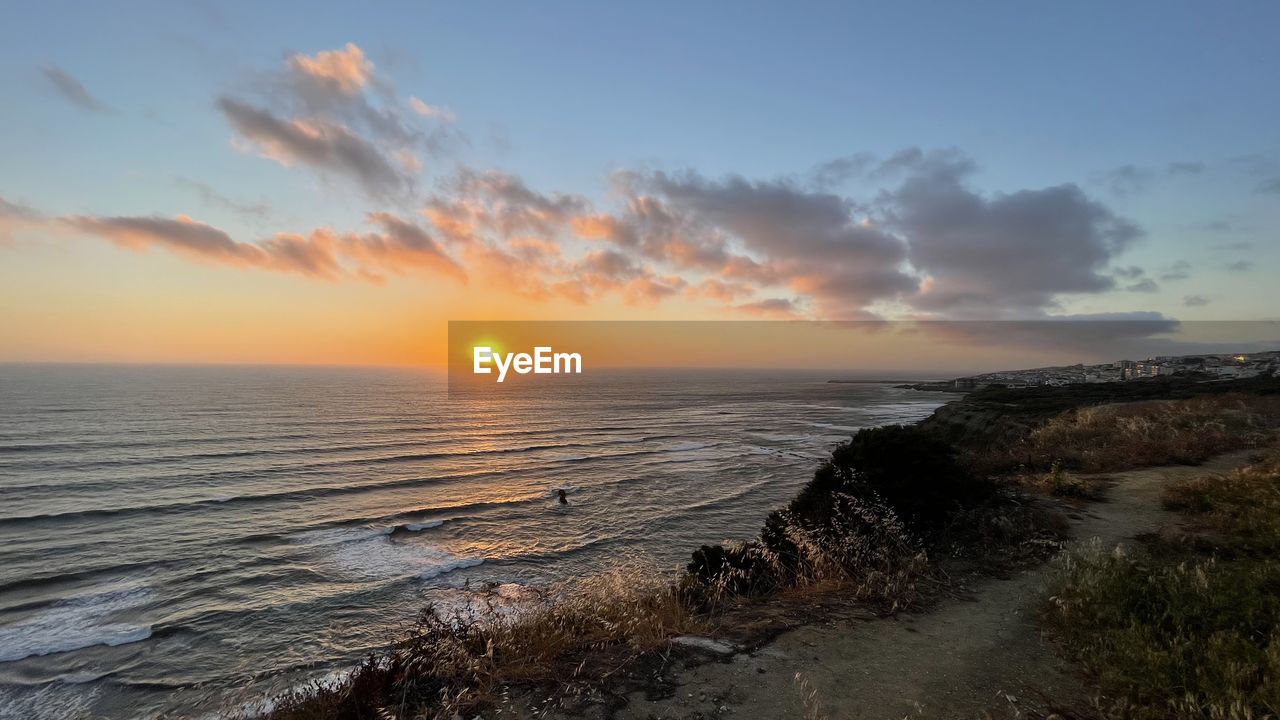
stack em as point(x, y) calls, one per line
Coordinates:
point(178, 539)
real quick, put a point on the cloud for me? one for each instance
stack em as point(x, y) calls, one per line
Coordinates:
point(15, 217)
point(443, 114)
point(1240, 266)
point(399, 248)
point(182, 235)
point(513, 237)
point(72, 90)
point(258, 211)
point(17, 211)
point(1180, 270)
point(346, 70)
point(650, 289)
point(1185, 168)
point(720, 291)
point(931, 243)
point(319, 144)
point(1130, 179)
point(1237, 246)
point(334, 113)
point(1195, 301)
point(781, 308)
point(832, 173)
point(1003, 255)
point(1102, 335)
point(1127, 179)
point(771, 233)
point(927, 244)
point(504, 204)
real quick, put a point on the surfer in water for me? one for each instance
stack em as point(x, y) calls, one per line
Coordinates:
point(564, 500)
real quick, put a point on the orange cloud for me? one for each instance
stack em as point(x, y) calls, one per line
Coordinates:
point(778, 308)
point(401, 247)
point(181, 235)
point(14, 217)
point(715, 289)
point(443, 114)
point(347, 69)
point(596, 227)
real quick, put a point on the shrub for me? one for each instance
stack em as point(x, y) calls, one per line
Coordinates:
point(455, 662)
point(1159, 432)
point(864, 518)
point(863, 547)
point(1240, 508)
point(719, 571)
point(909, 470)
point(1192, 639)
point(1060, 482)
point(858, 520)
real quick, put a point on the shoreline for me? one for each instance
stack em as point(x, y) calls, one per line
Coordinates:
point(748, 596)
point(748, 482)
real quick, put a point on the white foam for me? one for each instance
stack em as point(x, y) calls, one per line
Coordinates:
point(370, 554)
point(47, 701)
point(76, 623)
point(456, 564)
point(833, 426)
point(82, 677)
point(419, 527)
point(506, 599)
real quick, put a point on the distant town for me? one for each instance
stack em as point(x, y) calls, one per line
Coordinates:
point(1207, 366)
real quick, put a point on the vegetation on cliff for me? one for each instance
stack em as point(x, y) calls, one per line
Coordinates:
point(862, 529)
point(1189, 626)
point(871, 527)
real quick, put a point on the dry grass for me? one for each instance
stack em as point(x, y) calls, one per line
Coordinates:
point(1240, 510)
point(459, 662)
point(568, 641)
point(862, 549)
point(855, 532)
point(1173, 639)
point(1190, 629)
point(809, 698)
point(1161, 432)
point(1060, 482)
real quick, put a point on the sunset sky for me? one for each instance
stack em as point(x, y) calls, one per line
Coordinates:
point(329, 183)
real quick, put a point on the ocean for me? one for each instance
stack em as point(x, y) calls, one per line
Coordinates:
point(179, 539)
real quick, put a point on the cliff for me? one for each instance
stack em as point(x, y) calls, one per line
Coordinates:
point(984, 418)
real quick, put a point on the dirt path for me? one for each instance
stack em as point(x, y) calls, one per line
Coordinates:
point(962, 659)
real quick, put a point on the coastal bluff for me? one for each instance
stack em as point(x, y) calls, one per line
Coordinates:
point(984, 418)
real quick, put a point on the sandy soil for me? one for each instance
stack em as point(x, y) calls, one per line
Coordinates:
point(980, 656)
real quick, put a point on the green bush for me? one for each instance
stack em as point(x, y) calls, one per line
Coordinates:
point(1191, 639)
point(739, 569)
point(1241, 509)
point(860, 514)
point(909, 470)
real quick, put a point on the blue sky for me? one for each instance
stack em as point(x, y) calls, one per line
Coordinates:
point(1165, 113)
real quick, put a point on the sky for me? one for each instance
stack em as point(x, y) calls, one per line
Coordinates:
point(326, 183)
